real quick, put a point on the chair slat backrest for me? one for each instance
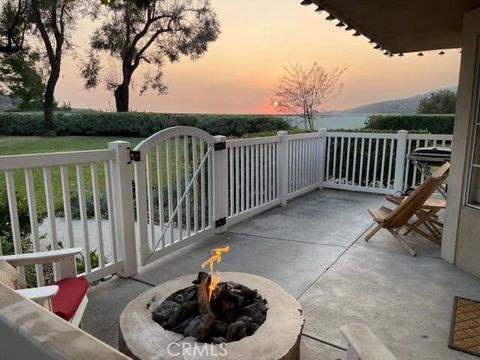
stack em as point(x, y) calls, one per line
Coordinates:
point(405, 210)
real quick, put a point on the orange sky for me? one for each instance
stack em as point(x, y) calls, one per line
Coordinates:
point(239, 72)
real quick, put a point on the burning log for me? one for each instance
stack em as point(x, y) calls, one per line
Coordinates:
point(183, 312)
point(203, 284)
point(207, 317)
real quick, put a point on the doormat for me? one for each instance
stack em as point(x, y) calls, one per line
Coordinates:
point(465, 327)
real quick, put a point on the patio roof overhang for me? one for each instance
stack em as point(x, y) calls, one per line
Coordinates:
point(401, 26)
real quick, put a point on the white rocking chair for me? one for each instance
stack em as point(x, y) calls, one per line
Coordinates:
point(67, 297)
point(363, 344)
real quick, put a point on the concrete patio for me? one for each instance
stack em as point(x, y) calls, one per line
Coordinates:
point(313, 249)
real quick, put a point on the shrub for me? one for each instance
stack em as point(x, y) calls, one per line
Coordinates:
point(434, 124)
point(6, 236)
point(90, 205)
point(268, 133)
point(440, 102)
point(137, 123)
point(5, 226)
point(375, 131)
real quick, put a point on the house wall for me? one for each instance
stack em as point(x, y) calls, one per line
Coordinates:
point(461, 240)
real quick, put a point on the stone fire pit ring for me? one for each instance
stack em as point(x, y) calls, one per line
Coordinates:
point(277, 338)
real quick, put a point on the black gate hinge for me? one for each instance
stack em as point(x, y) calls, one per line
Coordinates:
point(221, 222)
point(135, 155)
point(220, 146)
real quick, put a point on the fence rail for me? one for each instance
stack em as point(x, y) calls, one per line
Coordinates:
point(375, 162)
point(305, 162)
point(184, 186)
point(57, 187)
point(266, 172)
point(252, 175)
point(359, 161)
point(173, 190)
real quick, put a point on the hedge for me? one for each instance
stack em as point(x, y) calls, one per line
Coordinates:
point(376, 131)
point(434, 124)
point(137, 123)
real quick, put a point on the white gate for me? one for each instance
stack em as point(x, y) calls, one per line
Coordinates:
point(173, 190)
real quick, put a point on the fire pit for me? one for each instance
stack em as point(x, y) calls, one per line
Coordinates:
point(228, 313)
point(143, 333)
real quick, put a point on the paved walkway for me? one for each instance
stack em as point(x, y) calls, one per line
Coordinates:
point(313, 249)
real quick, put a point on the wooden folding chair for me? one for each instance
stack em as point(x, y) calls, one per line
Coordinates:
point(393, 220)
point(426, 216)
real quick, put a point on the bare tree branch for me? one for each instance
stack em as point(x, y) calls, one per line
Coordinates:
point(304, 90)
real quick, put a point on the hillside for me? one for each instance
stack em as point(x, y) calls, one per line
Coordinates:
point(397, 106)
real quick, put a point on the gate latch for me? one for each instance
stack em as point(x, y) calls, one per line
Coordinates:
point(135, 155)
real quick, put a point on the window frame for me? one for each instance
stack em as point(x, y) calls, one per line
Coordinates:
point(473, 144)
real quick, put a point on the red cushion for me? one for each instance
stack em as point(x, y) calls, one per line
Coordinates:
point(69, 296)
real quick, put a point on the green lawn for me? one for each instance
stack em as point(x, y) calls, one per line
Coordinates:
point(12, 145)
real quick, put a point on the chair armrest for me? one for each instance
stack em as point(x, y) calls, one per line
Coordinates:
point(395, 199)
point(42, 257)
point(39, 293)
point(364, 344)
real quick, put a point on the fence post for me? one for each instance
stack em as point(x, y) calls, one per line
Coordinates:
point(123, 203)
point(220, 184)
point(283, 166)
point(400, 158)
point(143, 247)
point(322, 154)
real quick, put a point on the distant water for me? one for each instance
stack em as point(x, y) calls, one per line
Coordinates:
point(334, 121)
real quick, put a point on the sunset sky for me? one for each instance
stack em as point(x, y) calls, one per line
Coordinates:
point(239, 73)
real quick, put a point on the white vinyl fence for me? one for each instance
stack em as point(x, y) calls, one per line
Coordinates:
point(306, 156)
point(173, 190)
point(252, 176)
point(375, 162)
point(183, 185)
point(65, 210)
point(266, 172)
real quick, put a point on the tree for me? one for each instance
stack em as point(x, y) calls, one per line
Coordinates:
point(54, 20)
point(13, 25)
point(43, 25)
point(148, 32)
point(304, 91)
point(20, 78)
point(440, 102)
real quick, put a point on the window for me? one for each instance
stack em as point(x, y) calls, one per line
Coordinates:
point(474, 184)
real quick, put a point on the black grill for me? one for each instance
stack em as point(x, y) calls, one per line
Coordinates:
point(430, 155)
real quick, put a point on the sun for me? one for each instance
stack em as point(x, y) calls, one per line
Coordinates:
point(276, 103)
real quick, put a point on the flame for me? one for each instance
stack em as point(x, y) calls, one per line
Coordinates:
point(210, 262)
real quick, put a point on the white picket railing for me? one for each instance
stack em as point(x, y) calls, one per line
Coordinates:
point(69, 170)
point(266, 172)
point(361, 161)
point(173, 190)
point(252, 176)
point(375, 162)
point(187, 185)
point(305, 162)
